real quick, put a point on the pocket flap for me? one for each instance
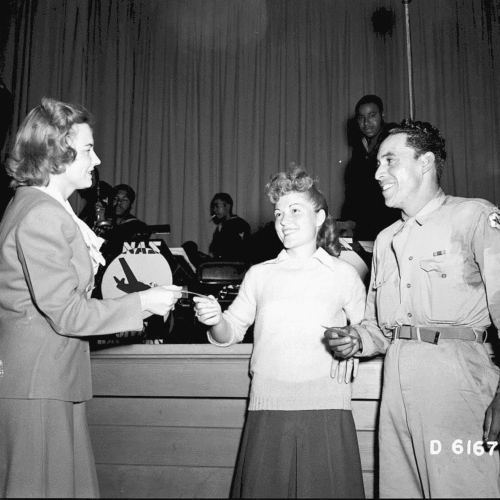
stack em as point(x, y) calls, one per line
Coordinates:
point(443, 263)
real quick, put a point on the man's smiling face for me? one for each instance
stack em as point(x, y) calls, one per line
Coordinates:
point(399, 173)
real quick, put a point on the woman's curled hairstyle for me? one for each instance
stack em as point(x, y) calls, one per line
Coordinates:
point(298, 180)
point(42, 145)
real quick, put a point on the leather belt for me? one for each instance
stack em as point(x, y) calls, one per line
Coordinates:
point(433, 335)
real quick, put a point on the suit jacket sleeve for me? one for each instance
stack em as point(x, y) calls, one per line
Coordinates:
point(57, 269)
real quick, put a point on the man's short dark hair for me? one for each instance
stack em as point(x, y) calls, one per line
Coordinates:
point(369, 99)
point(124, 187)
point(424, 137)
point(226, 198)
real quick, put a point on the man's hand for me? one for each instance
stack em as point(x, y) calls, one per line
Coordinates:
point(344, 341)
point(491, 425)
point(99, 207)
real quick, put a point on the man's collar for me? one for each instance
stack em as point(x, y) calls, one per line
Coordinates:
point(425, 212)
point(322, 255)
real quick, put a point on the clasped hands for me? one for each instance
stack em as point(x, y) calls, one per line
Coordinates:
point(345, 342)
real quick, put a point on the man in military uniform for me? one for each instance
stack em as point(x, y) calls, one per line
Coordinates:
point(434, 290)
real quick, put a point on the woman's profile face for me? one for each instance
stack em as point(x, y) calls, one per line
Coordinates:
point(79, 173)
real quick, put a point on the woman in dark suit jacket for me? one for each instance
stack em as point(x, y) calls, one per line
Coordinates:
point(48, 258)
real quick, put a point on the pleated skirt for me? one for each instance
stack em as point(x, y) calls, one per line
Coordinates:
point(299, 454)
point(45, 450)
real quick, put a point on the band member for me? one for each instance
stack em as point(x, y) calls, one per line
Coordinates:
point(231, 237)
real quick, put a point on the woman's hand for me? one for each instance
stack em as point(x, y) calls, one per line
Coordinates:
point(208, 311)
point(160, 299)
point(346, 370)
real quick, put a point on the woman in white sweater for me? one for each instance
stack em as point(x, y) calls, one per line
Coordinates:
point(299, 438)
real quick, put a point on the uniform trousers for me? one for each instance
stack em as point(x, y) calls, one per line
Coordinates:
point(433, 408)
point(299, 454)
point(45, 450)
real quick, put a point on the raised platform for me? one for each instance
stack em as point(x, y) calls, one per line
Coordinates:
point(166, 420)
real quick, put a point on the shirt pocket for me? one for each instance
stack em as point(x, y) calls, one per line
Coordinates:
point(444, 291)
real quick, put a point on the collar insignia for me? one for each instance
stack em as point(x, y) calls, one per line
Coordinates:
point(494, 220)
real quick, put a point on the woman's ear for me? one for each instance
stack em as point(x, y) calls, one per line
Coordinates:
point(320, 217)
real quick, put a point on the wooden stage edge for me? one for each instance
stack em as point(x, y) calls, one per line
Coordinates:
point(166, 420)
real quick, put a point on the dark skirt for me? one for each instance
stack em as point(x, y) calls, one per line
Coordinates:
point(299, 454)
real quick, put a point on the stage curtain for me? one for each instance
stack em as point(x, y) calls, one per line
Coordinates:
point(193, 97)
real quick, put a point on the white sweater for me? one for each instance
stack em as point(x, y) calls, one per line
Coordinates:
point(290, 299)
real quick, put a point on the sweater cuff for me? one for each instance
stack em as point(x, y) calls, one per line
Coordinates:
point(219, 344)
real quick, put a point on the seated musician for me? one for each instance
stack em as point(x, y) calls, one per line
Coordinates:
point(124, 225)
point(231, 238)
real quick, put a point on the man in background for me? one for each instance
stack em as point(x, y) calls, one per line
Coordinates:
point(124, 225)
point(231, 238)
point(364, 204)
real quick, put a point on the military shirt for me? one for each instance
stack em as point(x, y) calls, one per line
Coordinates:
point(438, 268)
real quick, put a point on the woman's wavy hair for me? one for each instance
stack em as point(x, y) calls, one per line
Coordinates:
point(298, 180)
point(42, 145)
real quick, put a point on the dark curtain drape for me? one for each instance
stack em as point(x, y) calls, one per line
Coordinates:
point(193, 97)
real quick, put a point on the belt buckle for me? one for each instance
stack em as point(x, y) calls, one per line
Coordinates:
point(481, 337)
point(437, 336)
point(395, 332)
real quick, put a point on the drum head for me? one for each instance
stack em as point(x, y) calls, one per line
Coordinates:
point(131, 272)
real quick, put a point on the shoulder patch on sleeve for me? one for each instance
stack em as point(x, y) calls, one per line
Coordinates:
point(494, 220)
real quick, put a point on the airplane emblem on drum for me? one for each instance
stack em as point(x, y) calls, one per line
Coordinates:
point(133, 284)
